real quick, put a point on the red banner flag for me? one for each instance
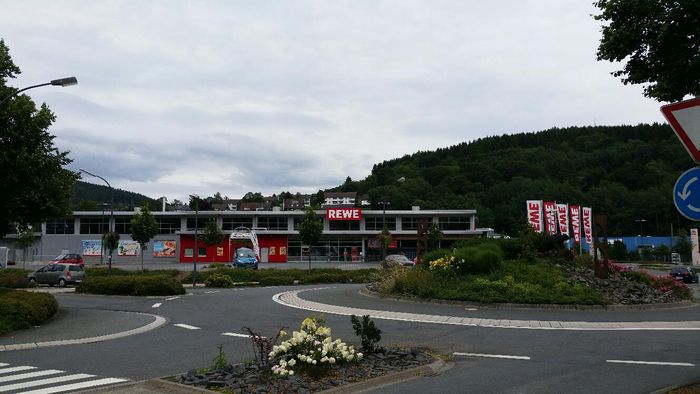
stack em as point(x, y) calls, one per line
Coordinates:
point(550, 210)
point(534, 215)
point(576, 222)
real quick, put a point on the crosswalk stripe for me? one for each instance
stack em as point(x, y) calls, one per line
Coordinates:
point(29, 375)
point(3, 364)
point(76, 386)
point(42, 382)
point(15, 369)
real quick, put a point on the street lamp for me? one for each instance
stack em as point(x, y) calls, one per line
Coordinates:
point(196, 249)
point(102, 221)
point(56, 82)
point(111, 211)
point(384, 204)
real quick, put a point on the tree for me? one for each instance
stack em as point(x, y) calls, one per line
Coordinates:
point(660, 41)
point(110, 241)
point(310, 229)
point(143, 228)
point(25, 240)
point(212, 234)
point(318, 199)
point(618, 251)
point(384, 240)
point(434, 236)
point(200, 203)
point(34, 186)
point(682, 246)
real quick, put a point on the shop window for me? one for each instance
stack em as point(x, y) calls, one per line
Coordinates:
point(202, 252)
point(189, 252)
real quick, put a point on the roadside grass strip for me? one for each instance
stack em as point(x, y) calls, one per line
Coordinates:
point(671, 364)
point(28, 382)
point(292, 300)
point(491, 356)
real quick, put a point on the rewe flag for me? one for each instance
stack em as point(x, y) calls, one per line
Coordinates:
point(587, 214)
point(563, 218)
point(534, 215)
point(576, 222)
point(550, 210)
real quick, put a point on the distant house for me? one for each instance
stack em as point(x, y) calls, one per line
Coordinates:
point(226, 205)
point(339, 199)
point(297, 203)
point(254, 206)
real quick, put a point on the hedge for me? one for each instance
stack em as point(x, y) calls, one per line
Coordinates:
point(104, 271)
point(134, 285)
point(22, 309)
point(275, 277)
point(14, 278)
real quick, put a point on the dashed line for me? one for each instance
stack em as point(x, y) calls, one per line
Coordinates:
point(172, 298)
point(233, 334)
point(650, 363)
point(187, 326)
point(212, 291)
point(491, 356)
point(157, 305)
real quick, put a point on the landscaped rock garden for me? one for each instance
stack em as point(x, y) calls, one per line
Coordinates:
point(250, 378)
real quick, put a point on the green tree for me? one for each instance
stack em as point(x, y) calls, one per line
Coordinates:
point(34, 186)
point(201, 204)
point(618, 251)
point(143, 228)
point(310, 229)
point(659, 39)
point(110, 241)
point(25, 240)
point(318, 199)
point(682, 245)
point(434, 236)
point(384, 240)
point(212, 234)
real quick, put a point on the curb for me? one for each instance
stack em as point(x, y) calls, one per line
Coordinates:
point(435, 368)
point(617, 307)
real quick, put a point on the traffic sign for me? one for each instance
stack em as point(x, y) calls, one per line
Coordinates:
point(686, 194)
point(684, 118)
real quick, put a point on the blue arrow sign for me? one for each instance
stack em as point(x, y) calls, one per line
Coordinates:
point(686, 194)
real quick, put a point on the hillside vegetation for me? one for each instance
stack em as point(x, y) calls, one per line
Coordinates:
point(626, 172)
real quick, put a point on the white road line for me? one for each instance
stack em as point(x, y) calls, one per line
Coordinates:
point(4, 364)
point(187, 326)
point(16, 369)
point(650, 363)
point(43, 382)
point(157, 305)
point(211, 291)
point(491, 356)
point(75, 386)
point(233, 334)
point(29, 375)
point(172, 298)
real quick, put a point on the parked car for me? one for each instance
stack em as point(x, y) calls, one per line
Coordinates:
point(59, 274)
point(399, 258)
point(68, 258)
point(245, 258)
point(686, 274)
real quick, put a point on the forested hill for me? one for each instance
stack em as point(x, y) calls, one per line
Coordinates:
point(89, 197)
point(626, 172)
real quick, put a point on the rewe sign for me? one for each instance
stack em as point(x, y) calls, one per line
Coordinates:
point(343, 214)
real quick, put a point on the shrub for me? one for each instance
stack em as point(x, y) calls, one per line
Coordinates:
point(219, 362)
point(369, 334)
point(21, 309)
point(637, 276)
point(14, 278)
point(218, 279)
point(104, 271)
point(135, 285)
point(471, 260)
point(433, 255)
point(311, 349)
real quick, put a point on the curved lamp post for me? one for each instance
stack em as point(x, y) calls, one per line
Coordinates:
point(111, 209)
point(195, 197)
point(56, 82)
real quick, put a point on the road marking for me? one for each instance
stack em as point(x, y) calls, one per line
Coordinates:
point(75, 386)
point(43, 382)
point(172, 298)
point(4, 364)
point(233, 334)
point(292, 300)
point(187, 326)
point(491, 356)
point(29, 375)
point(650, 363)
point(212, 291)
point(470, 309)
point(157, 305)
point(16, 369)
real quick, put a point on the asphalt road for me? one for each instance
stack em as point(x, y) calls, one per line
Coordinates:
point(548, 361)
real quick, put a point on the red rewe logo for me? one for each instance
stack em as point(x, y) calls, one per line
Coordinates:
point(343, 214)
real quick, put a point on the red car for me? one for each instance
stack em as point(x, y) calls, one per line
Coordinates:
point(69, 258)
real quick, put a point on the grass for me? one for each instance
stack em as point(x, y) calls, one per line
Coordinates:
point(516, 281)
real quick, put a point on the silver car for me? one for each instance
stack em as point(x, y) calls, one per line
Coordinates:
point(57, 274)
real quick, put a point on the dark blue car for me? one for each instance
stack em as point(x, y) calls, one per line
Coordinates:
point(245, 258)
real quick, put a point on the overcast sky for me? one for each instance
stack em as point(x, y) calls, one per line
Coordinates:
point(182, 97)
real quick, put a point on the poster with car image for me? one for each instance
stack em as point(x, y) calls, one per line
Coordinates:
point(128, 248)
point(164, 248)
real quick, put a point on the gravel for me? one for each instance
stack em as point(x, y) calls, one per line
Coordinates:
point(249, 378)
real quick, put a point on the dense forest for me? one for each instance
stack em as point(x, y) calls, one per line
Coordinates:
point(625, 172)
point(90, 197)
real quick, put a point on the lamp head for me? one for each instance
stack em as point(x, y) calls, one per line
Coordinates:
point(65, 81)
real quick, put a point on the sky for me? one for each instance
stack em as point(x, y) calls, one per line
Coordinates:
point(197, 97)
